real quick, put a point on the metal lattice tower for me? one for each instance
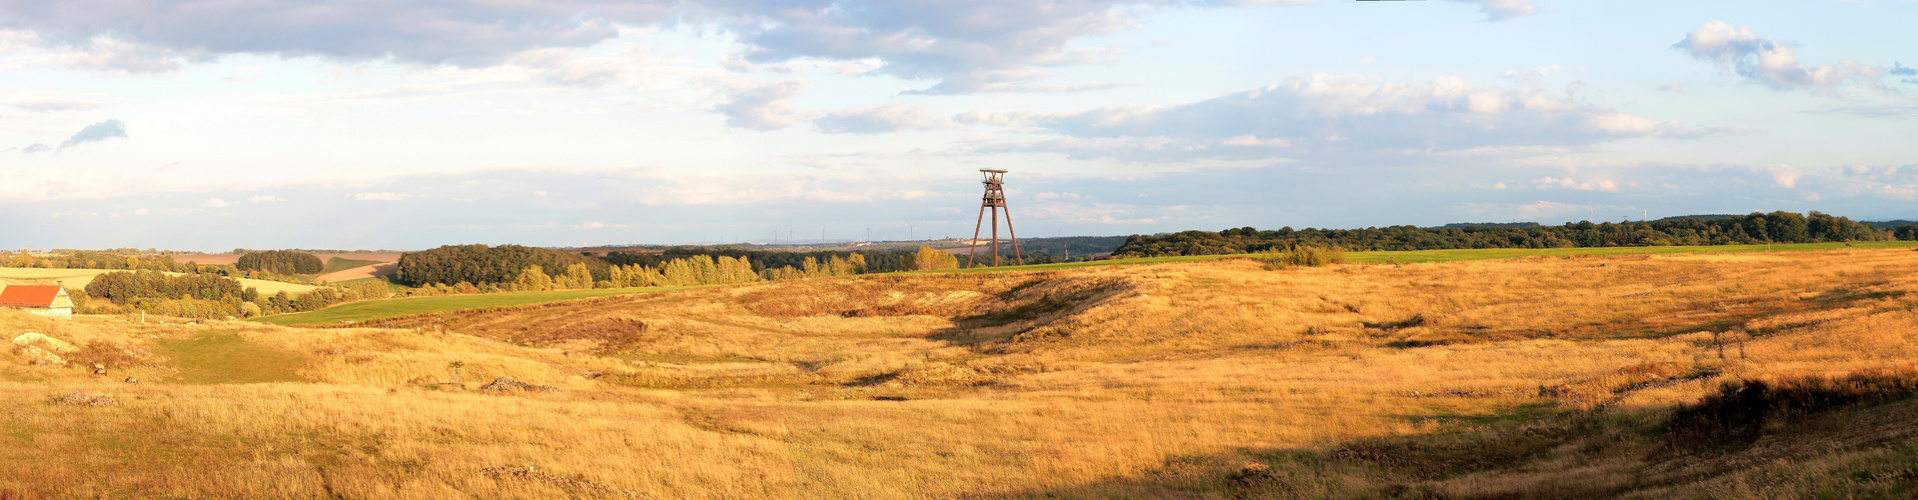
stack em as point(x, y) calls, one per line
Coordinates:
point(995, 201)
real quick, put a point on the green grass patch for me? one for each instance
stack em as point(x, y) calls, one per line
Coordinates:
point(18, 431)
point(225, 358)
point(337, 264)
point(1412, 256)
point(387, 308)
point(382, 279)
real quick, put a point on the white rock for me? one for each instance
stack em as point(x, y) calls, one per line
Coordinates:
point(51, 343)
point(37, 353)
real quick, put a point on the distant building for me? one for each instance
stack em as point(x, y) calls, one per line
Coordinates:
point(45, 300)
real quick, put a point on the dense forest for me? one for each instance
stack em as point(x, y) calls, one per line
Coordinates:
point(483, 264)
point(128, 287)
point(1756, 228)
point(280, 262)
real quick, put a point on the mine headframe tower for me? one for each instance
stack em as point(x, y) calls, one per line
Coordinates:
point(994, 202)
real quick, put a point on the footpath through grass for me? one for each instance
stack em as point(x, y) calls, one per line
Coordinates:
point(387, 308)
point(1411, 256)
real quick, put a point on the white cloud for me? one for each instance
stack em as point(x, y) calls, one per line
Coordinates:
point(380, 196)
point(110, 129)
point(853, 67)
point(100, 52)
point(570, 67)
point(1253, 140)
point(977, 46)
point(1897, 182)
point(1785, 176)
point(1580, 185)
point(59, 184)
point(879, 120)
point(216, 203)
point(115, 55)
point(763, 106)
point(1503, 10)
point(264, 198)
point(590, 225)
point(52, 105)
point(1328, 116)
point(142, 211)
point(1766, 61)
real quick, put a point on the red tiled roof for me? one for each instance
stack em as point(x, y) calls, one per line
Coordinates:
point(28, 295)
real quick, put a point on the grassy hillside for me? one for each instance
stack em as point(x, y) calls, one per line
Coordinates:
point(367, 310)
point(374, 309)
point(1574, 377)
point(337, 264)
point(79, 278)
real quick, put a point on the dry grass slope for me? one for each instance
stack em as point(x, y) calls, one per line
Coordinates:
point(1553, 377)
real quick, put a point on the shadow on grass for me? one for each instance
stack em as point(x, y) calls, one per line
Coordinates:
point(1860, 432)
point(1033, 307)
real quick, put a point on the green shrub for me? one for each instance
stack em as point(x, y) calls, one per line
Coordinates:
point(1308, 256)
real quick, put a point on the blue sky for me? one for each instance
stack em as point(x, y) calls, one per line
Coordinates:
point(210, 125)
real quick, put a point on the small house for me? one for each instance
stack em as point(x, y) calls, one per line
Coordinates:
point(45, 300)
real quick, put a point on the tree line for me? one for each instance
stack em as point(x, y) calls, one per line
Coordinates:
point(482, 269)
point(1756, 228)
point(483, 264)
point(208, 295)
point(280, 262)
point(91, 259)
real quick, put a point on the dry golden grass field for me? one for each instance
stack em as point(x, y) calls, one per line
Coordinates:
point(1534, 377)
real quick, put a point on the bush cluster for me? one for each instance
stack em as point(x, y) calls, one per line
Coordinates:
point(1305, 255)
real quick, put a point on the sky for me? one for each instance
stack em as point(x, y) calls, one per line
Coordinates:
point(211, 125)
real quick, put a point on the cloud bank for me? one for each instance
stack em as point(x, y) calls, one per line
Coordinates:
point(1332, 117)
point(1766, 61)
